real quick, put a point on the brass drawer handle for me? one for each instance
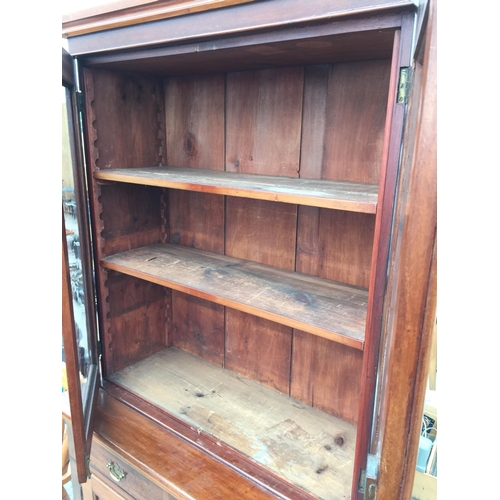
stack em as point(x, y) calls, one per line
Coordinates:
point(116, 473)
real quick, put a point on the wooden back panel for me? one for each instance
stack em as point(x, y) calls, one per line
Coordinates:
point(194, 113)
point(264, 112)
point(342, 139)
point(292, 122)
point(322, 122)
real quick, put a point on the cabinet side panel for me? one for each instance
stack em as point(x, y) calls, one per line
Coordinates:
point(194, 117)
point(131, 217)
point(125, 129)
point(264, 116)
point(326, 375)
point(127, 111)
point(136, 320)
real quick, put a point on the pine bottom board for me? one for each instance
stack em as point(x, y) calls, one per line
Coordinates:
point(305, 446)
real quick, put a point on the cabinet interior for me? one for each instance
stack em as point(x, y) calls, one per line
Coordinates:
point(234, 199)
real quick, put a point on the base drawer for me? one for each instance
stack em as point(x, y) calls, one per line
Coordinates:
point(102, 489)
point(118, 475)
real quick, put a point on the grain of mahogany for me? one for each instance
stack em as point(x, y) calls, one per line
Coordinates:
point(103, 488)
point(395, 116)
point(126, 13)
point(236, 21)
point(136, 485)
point(414, 297)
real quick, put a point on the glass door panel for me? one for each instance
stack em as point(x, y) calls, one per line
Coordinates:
point(71, 212)
point(79, 320)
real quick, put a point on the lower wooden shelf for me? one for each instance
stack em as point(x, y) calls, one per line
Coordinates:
point(329, 309)
point(303, 445)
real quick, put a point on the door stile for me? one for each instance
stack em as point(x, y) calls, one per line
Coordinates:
point(395, 122)
point(81, 403)
point(72, 372)
point(412, 296)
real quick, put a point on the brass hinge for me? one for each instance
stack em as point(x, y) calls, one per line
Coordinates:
point(368, 478)
point(404, 85)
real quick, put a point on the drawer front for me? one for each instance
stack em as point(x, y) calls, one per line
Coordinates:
point(122, 475)
point(103, 489)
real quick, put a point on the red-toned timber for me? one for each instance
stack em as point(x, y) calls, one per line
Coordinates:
point(413, 297)
point(394, 125)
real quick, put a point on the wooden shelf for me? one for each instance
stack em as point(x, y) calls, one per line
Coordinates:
point(350, 196)
point(325, 308)
point(304, 445)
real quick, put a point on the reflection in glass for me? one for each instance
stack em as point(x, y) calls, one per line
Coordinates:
point(71, 210)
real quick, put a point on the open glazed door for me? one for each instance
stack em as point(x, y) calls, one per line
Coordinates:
point(78, 297)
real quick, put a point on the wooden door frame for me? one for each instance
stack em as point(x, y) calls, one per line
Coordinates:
point(411, 299)
point(80, 413)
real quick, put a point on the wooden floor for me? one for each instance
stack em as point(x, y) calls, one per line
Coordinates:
point(302, 444)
